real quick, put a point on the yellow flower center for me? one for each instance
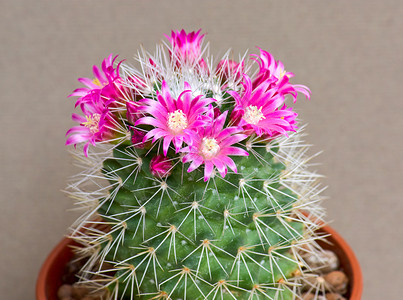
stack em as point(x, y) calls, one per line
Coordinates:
point(92, 123)
point(209, 147)
point(177, 121)
point(253, 115)
point(97, 82)
point(282, 73)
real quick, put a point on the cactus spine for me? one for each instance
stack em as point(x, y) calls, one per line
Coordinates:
point(164, 217)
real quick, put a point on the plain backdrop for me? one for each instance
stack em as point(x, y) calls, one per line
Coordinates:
point(350, 53)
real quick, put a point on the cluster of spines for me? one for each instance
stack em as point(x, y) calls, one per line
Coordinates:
point(111, 206)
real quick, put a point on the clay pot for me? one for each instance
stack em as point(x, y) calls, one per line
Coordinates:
point(52, 271)
point(348, 261)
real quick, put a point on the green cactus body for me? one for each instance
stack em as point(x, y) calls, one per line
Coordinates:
point(189, 238)
point(164, 217)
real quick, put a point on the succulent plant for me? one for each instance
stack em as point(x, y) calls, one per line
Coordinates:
point(195, 180)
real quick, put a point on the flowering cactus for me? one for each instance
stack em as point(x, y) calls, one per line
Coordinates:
point(195, 181)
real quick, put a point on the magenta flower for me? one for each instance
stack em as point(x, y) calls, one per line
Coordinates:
point(97, 125)
point(173, 119)
point(272, 70)
point(212, 145)
point(160, 166)
point(186, 47)
point(107, 83)
point(262, 110)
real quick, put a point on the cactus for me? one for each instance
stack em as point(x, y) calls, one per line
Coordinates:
point(195, 181)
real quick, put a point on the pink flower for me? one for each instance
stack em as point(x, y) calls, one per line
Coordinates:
point(186, 47)
point(211, 146)
point(262, 110)
point(272, 70)
point(107, 83)
point(160, 166)
point(173, 119)
point(97, 125)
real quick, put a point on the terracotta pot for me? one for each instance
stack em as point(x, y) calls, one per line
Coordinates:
point(51, 273)
point(348, 261)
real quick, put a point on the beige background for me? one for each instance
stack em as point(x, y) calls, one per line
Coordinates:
point(350, 53)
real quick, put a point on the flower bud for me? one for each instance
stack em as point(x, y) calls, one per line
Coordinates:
point(160, 166)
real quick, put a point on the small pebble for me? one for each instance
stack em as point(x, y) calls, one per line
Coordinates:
point(337, 280)
point(64, 291)
point(79, 291)
point(323, 262)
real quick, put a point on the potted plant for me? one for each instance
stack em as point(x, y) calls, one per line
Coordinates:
point(195, 181)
